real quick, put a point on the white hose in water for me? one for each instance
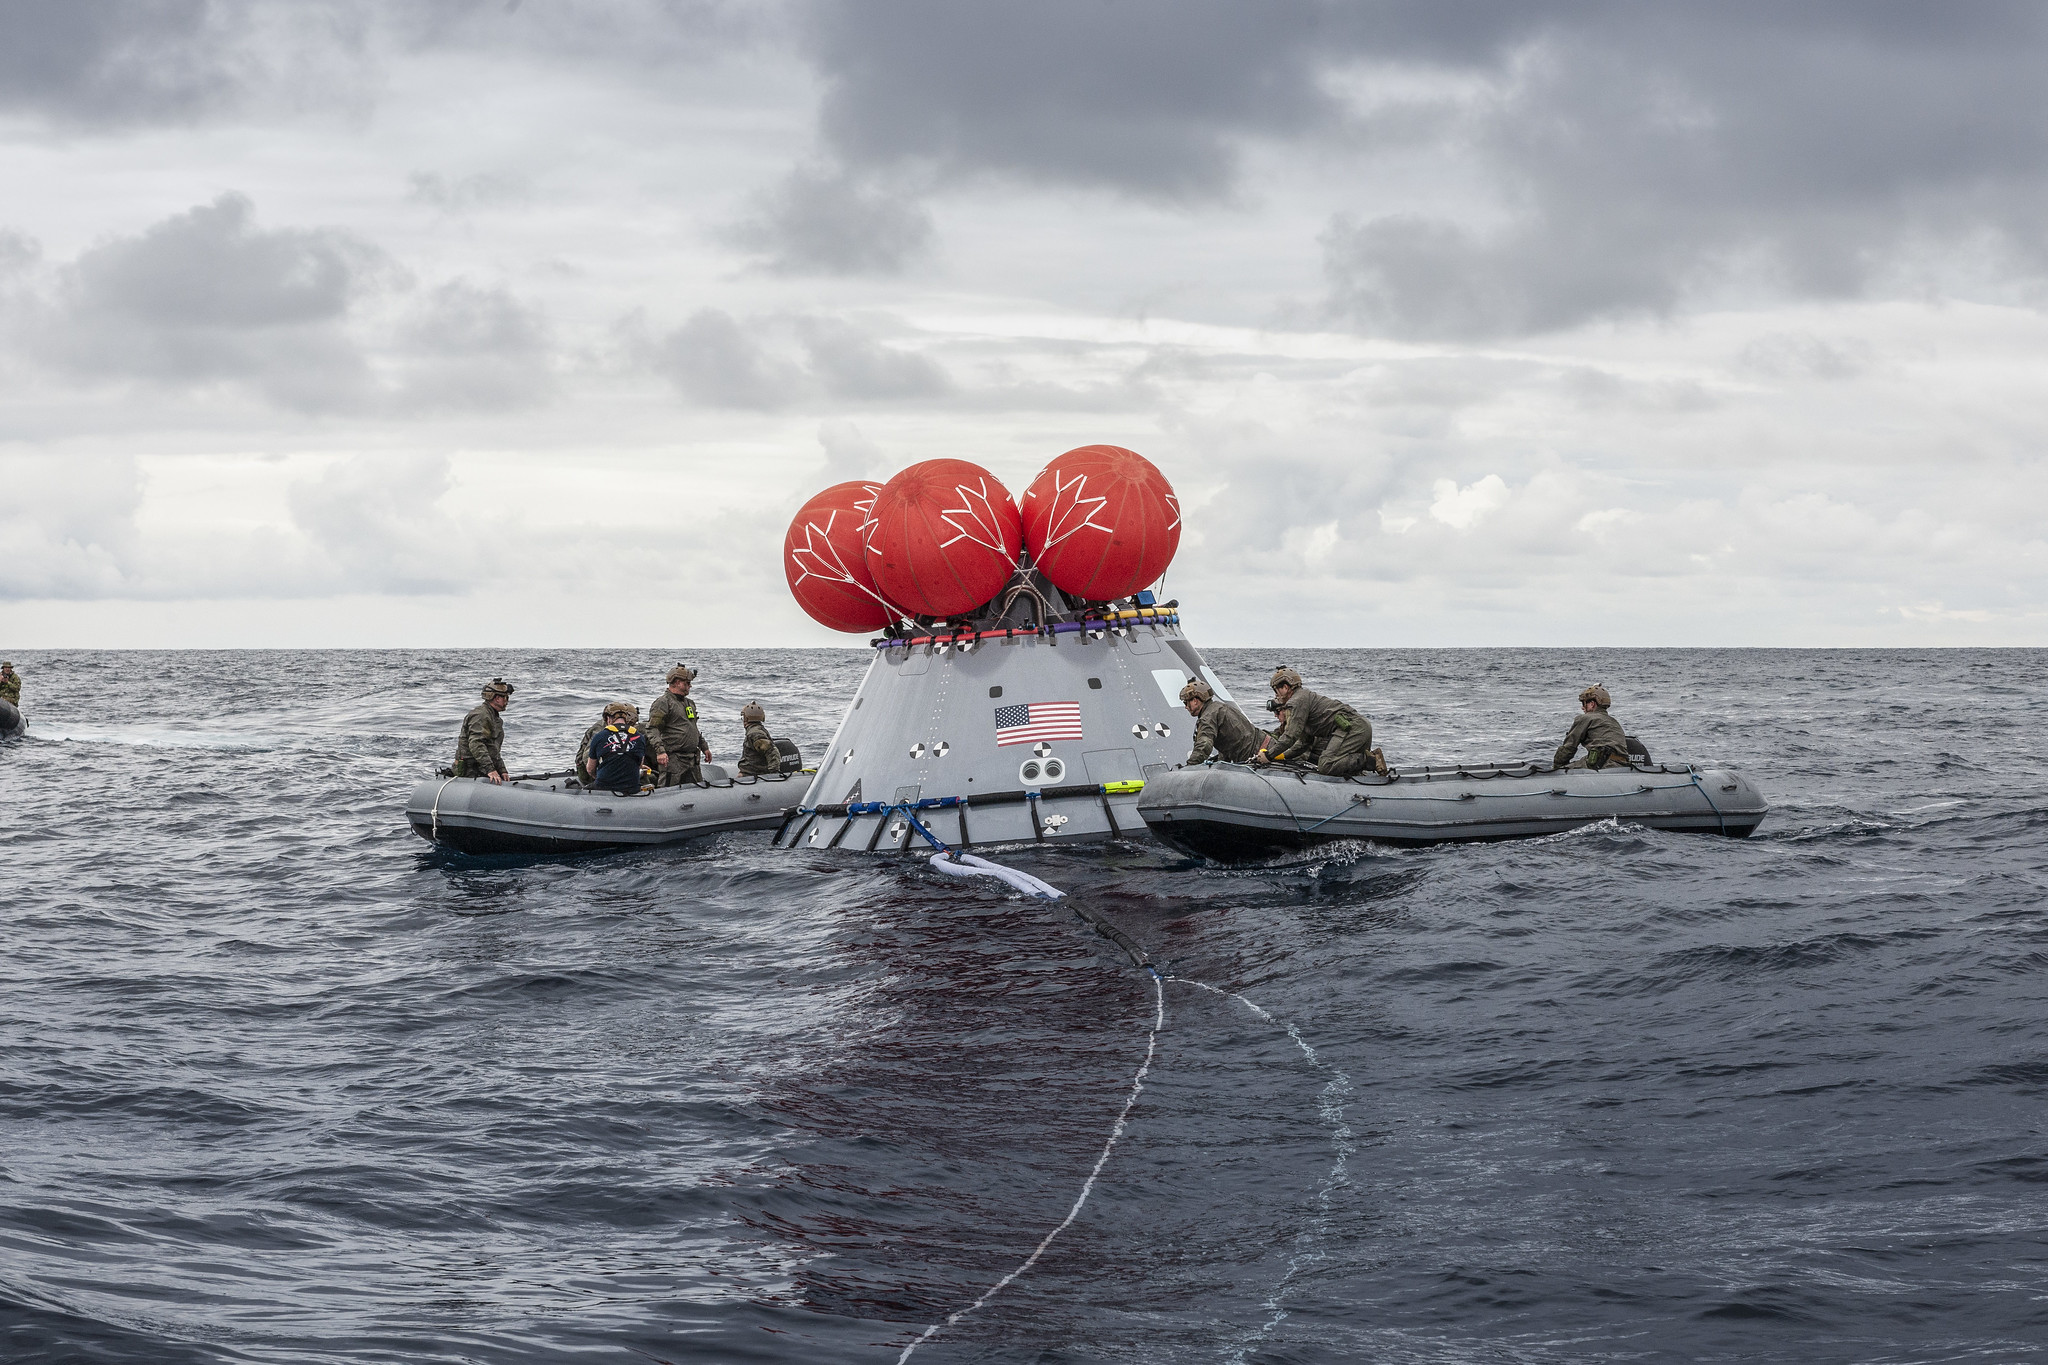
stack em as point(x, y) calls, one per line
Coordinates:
point(967, 865)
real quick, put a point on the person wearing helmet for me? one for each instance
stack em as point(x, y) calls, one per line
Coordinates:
point(617, 750)
point(1220, 728)
point(1599, 732)
point(1335, 735)
point(672, 733)
point(758, 754)
point(1270, 739)
point(478, 748)
point(10, 685)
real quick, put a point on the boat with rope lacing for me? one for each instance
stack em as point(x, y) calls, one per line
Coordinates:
point(554, 813)
point(1235, 812)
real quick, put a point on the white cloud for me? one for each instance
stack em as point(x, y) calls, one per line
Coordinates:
point(1464, 508)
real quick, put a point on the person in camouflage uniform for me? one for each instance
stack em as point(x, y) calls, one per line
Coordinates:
point(1270, 739)
point(1599, 732)
point(477, 749)
point(758, 754)
point(1339, 737)
point(10, 684)
point(1220, 728)
point(672, 731)
point(583, 745)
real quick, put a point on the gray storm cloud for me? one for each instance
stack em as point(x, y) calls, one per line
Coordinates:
point(770, 364)
point(1148, 97)
point(206, 296)
point(822, 222)
point(1638, 154)
point(125, 63)
point(209, 297)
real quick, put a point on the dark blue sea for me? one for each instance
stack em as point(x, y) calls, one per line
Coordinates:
point(280, 1083)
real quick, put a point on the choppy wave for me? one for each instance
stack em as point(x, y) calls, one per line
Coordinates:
point(280, 1083)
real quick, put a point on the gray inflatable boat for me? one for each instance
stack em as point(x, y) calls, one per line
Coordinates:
point(552, 814)
point(12, 726)
point(1235, 813)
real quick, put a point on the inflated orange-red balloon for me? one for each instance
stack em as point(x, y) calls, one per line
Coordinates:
point(823, 558)
point(943, 538)
point(1101, 522)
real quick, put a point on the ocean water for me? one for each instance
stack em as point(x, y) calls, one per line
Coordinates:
point(278, 1082)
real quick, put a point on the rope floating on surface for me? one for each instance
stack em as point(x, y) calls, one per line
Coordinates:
point(1331, 1105)
point(1330, 1102)
point(1087, 1187)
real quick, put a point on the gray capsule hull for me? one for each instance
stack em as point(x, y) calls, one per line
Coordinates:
point(1015, 738)
point(12, 726)
point(538, 816)
point(1235, 813)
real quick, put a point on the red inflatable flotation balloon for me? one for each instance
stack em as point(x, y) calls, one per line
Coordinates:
point(1101, 522)
point(823, 558)
point(943, 538)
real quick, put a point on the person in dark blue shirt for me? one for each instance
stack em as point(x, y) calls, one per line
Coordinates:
point(617, 750)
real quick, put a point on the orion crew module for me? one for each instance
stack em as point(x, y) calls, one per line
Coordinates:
point(1025, 683)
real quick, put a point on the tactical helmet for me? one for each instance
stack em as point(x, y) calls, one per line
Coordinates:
point(1197, 688)
point(680, 673)
point(621, 708)
point(1284, 674)
point(752, 713)
point(498, 687)
point(1598, 694)
point(1274, 705)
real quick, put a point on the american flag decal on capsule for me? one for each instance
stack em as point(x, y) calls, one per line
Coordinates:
point(1037, 721)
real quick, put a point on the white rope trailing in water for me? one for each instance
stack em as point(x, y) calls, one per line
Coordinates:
point(1330, 1103)
point(1087, 1186)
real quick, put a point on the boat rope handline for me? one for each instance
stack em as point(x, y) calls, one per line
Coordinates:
point(1555, 791)
point(1719, 818)
point(1485, 796)
point(1087, 1187)
point(1341, 810)
point(437, 809)
point(1282, 800)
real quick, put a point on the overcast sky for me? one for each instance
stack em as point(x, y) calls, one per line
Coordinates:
point(331, 322)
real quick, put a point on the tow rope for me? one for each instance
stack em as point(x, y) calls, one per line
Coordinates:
point(949, 861)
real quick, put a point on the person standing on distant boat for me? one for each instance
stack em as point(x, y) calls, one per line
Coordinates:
point(672, 732)
point(478, 749)
point(1317, 723)
point(10, 685)
point(617, 751)
point(758, 752)
point(1220, 728)
point(1599, 732)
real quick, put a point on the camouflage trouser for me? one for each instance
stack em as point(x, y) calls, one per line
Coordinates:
point(682, 769)
point(1348, 753)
